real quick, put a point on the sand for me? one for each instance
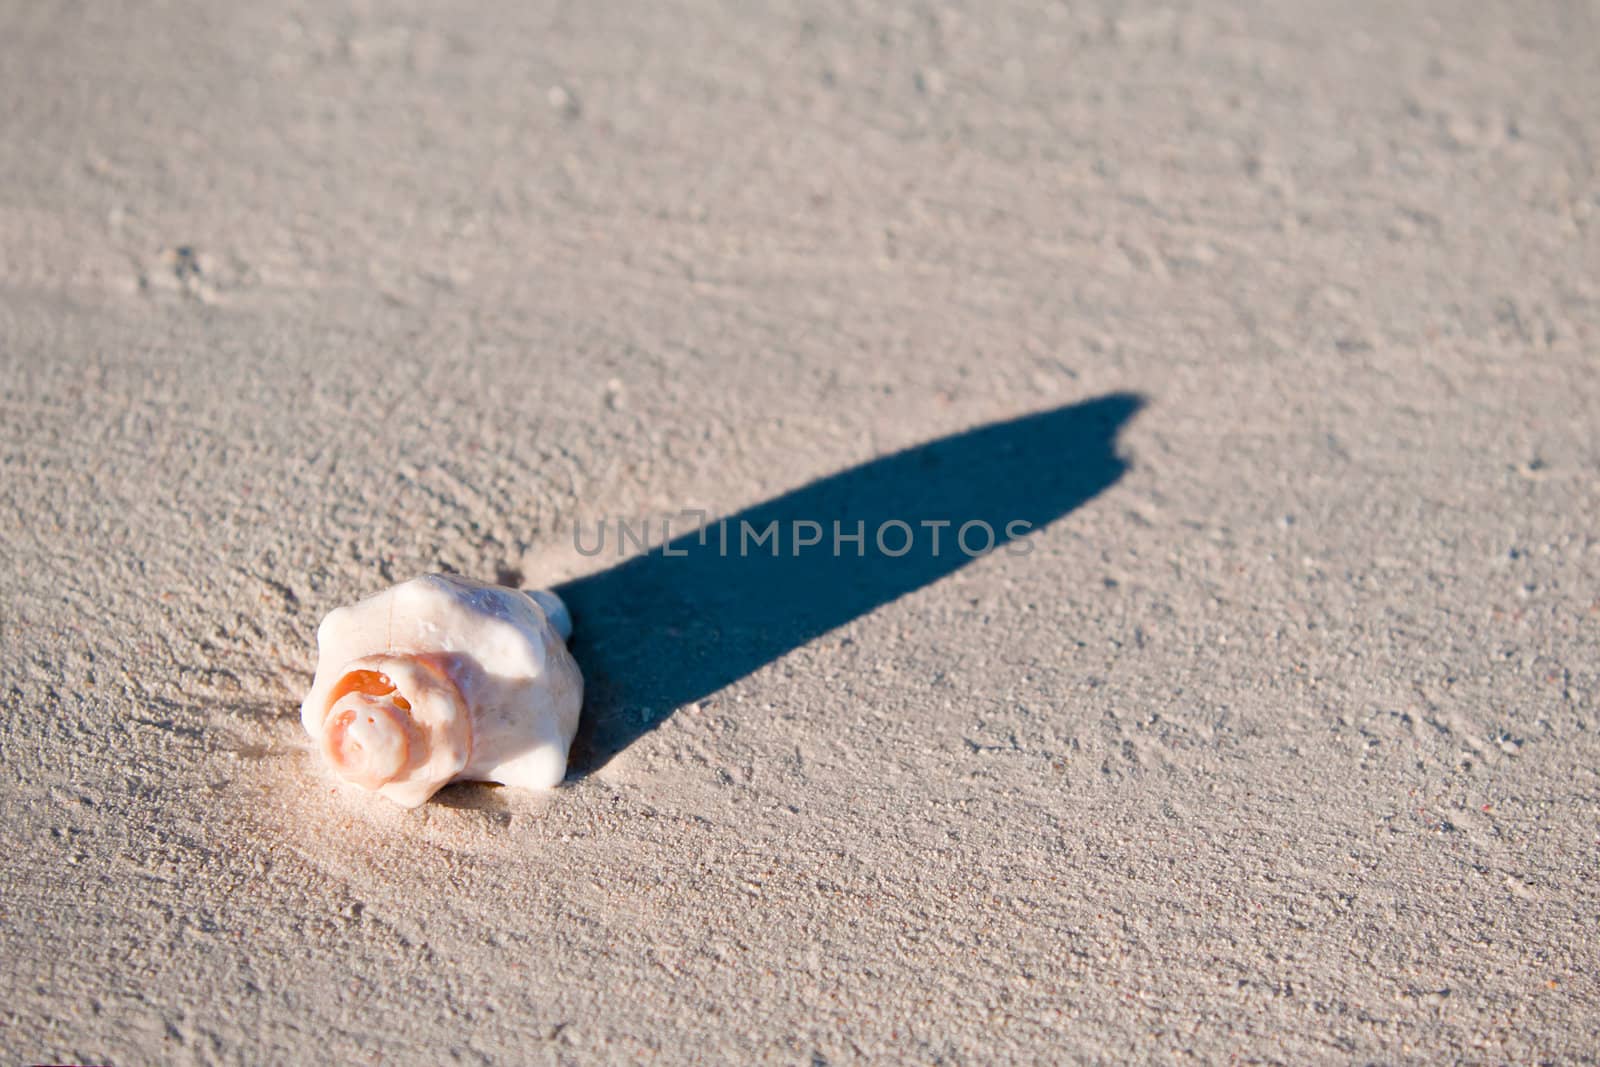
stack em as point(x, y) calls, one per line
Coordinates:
point(1279, 743)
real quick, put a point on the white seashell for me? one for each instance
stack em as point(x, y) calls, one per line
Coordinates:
point(443, 679)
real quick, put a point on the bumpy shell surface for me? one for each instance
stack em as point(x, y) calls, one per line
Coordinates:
point(444, 679)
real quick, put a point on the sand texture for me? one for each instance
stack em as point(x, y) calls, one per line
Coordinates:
point(1276, 740)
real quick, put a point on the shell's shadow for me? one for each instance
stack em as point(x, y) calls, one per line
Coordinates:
point(678, 623)
point(473, 796)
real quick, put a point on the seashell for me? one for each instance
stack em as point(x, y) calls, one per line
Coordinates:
point(444, 679)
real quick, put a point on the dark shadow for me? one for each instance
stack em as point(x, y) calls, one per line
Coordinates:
point(661, 630)
point(472, 796)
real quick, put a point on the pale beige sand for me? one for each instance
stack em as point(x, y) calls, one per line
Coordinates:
point(1284, 747)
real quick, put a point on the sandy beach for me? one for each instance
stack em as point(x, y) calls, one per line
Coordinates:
point(1272, 737)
